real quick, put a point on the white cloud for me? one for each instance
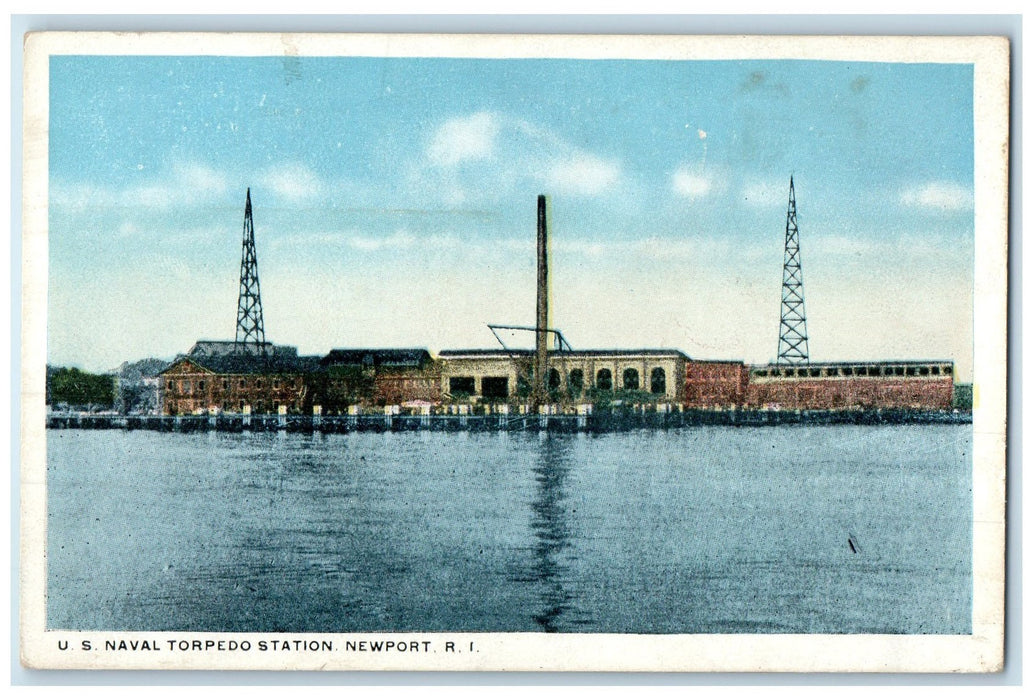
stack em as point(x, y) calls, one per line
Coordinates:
point(582, 174)
point(152, 196)
point(539, 135)
point(688, 184)
point(941, 196)
point(294, 182)
point(201, 177)
point(187, 184)
point(332, 242)
point(507, 155)
point(399, 239)
point(464, 138)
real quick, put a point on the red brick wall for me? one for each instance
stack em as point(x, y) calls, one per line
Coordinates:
point(187, 389)
point(394, 388)
point(714, 384)
point(855, 392)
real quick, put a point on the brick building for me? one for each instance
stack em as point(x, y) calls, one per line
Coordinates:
point(220, 377)
point(715, 383)
point(380, 376)
point(836, 385)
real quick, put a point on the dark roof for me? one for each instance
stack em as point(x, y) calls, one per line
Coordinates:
point(502, 352)
point(855, 363)
point(229, 347)
point(250, 364)
point(378, 357)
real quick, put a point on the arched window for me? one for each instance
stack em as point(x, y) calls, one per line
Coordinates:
point(658, 381)
point(523, 386)
point(631, 379)
point(554, 379)
point(576, 382)
point(604, 380)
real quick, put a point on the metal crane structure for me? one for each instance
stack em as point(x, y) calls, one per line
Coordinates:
point(560, 343)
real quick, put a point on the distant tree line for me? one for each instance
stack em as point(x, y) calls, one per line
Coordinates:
point(72, 387)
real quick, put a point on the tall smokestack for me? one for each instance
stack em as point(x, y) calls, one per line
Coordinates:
point(541, 342)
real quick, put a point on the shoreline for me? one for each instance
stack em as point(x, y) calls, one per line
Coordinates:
point(597, 422)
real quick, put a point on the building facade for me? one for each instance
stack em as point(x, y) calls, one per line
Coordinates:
point(378, 376)
point(222, 377)
point(840, 385)
point(715, 383)
point(218, 377)
point(232, 385)
point(500, 376)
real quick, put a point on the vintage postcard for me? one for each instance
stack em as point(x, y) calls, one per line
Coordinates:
point(593, 353)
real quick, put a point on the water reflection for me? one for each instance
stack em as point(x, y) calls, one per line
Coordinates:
point(551, 528)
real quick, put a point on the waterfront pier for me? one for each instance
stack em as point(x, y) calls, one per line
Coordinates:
point(402, 420)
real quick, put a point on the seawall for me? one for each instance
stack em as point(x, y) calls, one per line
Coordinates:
point(601, 421)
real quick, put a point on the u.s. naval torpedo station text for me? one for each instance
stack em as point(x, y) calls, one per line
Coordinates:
point(275, 645)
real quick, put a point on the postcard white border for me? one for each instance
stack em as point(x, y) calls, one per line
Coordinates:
point(982, 651)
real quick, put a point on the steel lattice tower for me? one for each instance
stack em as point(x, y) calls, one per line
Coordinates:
point(250, 330)
point(792, 332)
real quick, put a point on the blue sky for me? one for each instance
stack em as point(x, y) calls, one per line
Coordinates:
point(394, 202)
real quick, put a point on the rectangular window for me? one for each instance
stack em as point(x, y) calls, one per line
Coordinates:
point(495, 387)
point(461, 386)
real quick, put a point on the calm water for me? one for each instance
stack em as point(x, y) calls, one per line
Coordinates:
point(708, 529)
